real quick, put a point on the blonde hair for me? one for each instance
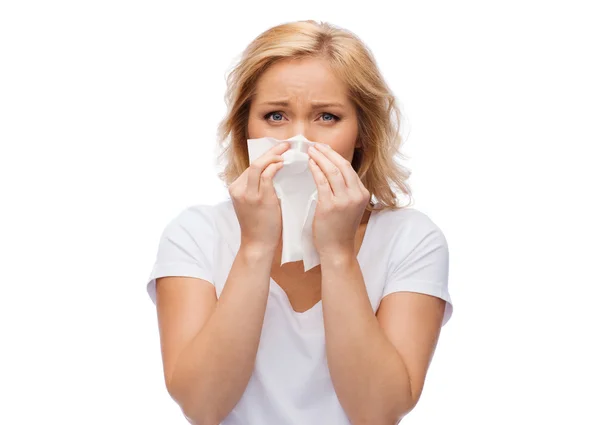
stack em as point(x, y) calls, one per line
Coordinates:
point(352, 62)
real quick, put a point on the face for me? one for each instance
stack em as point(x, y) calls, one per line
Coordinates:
point(304, 97)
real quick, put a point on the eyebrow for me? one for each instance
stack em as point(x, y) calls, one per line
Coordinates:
point(285, 103)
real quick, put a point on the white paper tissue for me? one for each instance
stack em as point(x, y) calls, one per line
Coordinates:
point(297, 192)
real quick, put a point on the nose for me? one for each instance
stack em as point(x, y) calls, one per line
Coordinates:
point(299, 128)
point(298, 143)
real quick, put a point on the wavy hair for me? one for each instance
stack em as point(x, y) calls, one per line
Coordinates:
point(352, 62)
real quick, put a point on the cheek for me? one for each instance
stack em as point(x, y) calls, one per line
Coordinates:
point(343, 142)
point(254, 128)
point(344, 149)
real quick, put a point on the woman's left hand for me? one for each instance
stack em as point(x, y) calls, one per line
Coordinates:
point(342, 201)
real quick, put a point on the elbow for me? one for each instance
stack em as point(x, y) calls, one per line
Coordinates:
point(387, 410)
point(199, 421)
point(194, 411)
point(392, 415)
point(195, 417)
point(401, 409)
point(396, 411)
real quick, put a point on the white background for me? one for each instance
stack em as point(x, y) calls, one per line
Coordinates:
point(108, 116)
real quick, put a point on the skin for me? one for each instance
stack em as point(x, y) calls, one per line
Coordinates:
point(377, 361)
point(303, 97)
point(300, 84)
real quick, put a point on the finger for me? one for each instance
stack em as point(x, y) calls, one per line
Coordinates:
point(345, 167)
point(238, 187)
point(324, 191)
point(331, 172)
point(279, 148)
point(257, 168)
point(261, 163)
point(266, 178)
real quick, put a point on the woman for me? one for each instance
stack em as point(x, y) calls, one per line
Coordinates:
point(246, 340)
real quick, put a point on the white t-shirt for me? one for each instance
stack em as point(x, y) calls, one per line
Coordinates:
point(402, 250)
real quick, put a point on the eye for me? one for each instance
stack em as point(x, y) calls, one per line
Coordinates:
point(329, 117)
point(278, 116)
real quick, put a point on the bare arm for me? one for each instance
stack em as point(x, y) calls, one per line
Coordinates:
point(211, 373)
point(378, 363)
point(210, 346)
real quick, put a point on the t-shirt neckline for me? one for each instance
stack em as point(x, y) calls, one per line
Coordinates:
point(301, 315)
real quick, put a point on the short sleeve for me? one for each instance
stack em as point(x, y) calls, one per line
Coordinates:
point(419, 262)
point(185, 248)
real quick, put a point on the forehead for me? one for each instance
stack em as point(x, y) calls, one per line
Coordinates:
point(307, 78)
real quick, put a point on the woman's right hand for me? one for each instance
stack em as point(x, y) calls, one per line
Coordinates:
point(255, 201)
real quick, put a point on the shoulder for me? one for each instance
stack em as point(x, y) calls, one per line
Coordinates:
point(191, 221)
point(201, 217)
point(408, 224)
point(203, 225)
point(408, 235)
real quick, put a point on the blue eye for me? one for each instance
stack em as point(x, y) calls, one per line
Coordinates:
point(333, 117)
point(274, 114)
point(278, 117)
